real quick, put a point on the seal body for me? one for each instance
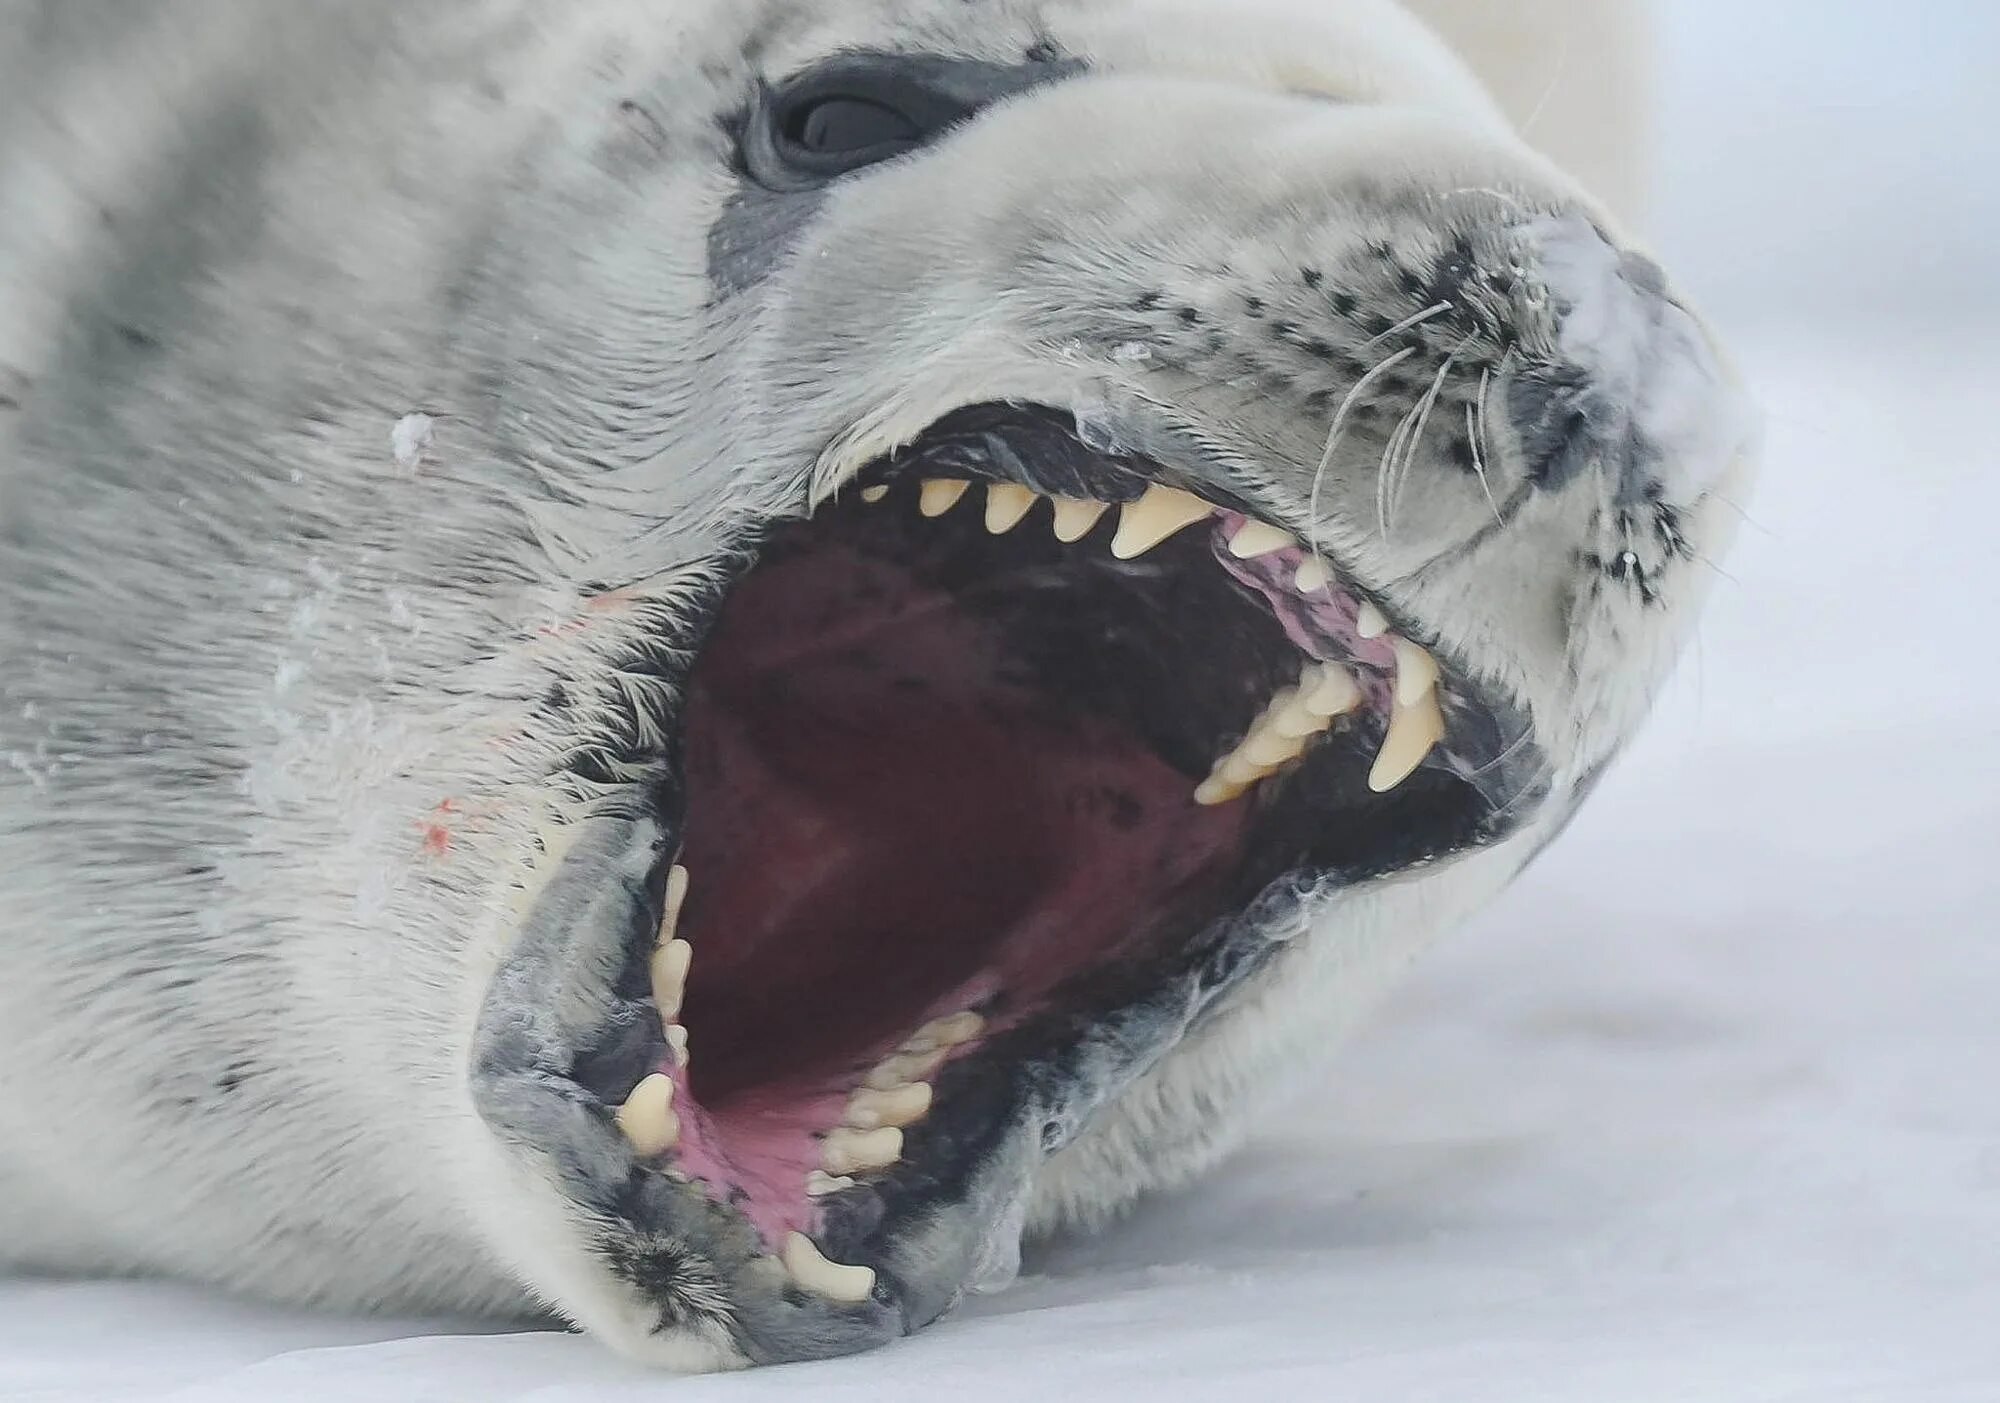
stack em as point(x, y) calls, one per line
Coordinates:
point(396, 401)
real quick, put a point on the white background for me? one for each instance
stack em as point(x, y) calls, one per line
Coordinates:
point(1709, 1107)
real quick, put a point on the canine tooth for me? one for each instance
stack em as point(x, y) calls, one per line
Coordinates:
point(1213, 791)
point(868, 1109)
point(845, 1151)
point(1267, 747)
point(819, 1183)
point(670, 972)
point(1257, 538)
point(1416, 673)
point(1006, 504)
point(940, 495)
point(1335, 694)
point(648, 1118)
point(1370, 622)
point(1413, 730)
point(834, 1280)
point(902, 1068)
point(1075, 516)
point(1157, 515)
point(1312, 576)
point(677, 1039)
point(875, 493)
point(676, 894)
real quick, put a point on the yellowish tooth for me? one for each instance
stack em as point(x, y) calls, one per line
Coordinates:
point(1257, 538)
point(1075, 516)
point(1241, 769)
point(648, 1118)
point(1312, 576)
point(670, 972)
point(1334, 694)
point(1370, 622)
point(1413, 730)
point(676, 894)
point(1213, 791)
point(1416, 673)
point(846, 1151)
point(1290, 716)
point(1267, 747)
point(875, 493)
point(868, 1109)
point(677, 1039)
point(819, 1183)
point(949, 1031)
point(1006, 504)
point(940, 495)
point(835, 1281)
point(1157, 515)
point(903, 1068)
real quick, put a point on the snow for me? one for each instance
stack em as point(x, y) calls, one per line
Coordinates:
point(1705, 1109)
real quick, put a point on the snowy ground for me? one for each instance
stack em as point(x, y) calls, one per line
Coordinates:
point(1705, 1110)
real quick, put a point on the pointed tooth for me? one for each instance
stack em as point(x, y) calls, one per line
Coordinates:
point(868, 1109)
point(1075, 516)
point(949, 1031)
point(1416, 673)
point(845, 1151)
point(676, 894)
point(1290, 716)
point(677, 1039)
point(875, 493)
point(940, 495)
point(670, 972)
point(1255, 538)
point(834, 1280)
point(819, 1183)
point(903, 1068)
point(1213, 791)
point(1370, 622)
point(1155, 516)
point(1006, 504)
point(1241, 769)
point(1269, 748)
point(1312, 576)
point(1334, 693)
point(1413, 730)
point(647, 1118)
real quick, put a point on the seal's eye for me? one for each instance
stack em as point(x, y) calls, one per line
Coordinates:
point(849, 126)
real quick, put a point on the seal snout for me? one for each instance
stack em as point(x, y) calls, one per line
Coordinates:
point(1624, 382)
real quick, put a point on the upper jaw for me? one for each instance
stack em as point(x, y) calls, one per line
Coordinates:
point(686, 1266)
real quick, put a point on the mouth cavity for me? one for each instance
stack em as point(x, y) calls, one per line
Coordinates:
point(995, 775)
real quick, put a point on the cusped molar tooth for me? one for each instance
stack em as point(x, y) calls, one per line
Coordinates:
point(941, 494)
point(1330, 691)
point(845, 1151)
point(1255, 538)
point(1006, 504)
point(819, 1183)
point(647, 1118)
point(1416, 673)
point(1158, 514)
point(1413, 730)
point(1312, 576)
point(677, 1039)
point(903, 1068)
point(836, 1281)
point(1075, 516)
point(948, 1031)
point(903, 1105)
point(875, 493)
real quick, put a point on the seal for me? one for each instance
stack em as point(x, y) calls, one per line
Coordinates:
point(688, 665)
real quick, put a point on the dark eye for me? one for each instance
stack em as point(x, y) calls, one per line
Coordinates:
point(855, 111)
point(845, 126)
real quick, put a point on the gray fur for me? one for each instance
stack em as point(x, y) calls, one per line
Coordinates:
point(302, 747)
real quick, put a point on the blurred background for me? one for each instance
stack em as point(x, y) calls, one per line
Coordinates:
point(1708, 1108)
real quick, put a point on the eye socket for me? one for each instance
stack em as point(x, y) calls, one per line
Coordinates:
point(856, 112)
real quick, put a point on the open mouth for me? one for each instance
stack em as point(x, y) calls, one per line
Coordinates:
point(995, 776)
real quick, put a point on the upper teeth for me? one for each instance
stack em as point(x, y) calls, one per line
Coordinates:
point(1295, 715)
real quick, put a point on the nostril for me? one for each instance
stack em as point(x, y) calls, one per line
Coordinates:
point(1628, 385)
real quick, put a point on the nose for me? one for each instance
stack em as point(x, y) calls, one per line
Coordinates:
point(1624, 383)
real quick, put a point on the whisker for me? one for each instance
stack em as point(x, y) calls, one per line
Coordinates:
point(1338, 427)
point(1414, 319)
